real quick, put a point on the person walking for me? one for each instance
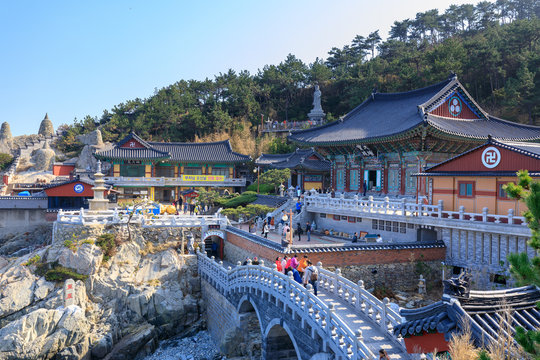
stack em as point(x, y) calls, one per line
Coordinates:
point(284, 217)
point(383, 355)
point(364, 188)
point(311, 275)
point(284, 263)
point(302, 265)
point(296, 275)
point(266, 230)
point(278, 264)
point(255, 261)
point(298, 206)
point(308, 231)
point(294, 261)
point(355, 238)
point(178, 203)
point(299, 231)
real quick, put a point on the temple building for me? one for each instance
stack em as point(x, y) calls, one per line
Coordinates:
point(391, 136)
point(309, 169)
point(162, 170)
point(475, 179)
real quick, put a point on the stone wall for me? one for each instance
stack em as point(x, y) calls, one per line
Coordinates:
point(238, 248)
point(221, 316)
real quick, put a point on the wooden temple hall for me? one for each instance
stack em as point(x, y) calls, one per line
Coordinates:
point(391, 136)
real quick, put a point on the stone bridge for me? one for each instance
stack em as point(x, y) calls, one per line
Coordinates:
point(343, 322)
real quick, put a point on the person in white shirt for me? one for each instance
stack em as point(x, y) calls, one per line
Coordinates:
point(311, 276)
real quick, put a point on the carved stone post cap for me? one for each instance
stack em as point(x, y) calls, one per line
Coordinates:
point(274, 267)
point(319, 264)
point(309, 287)
point(290, 274)
point(338, 271)
point(239, 263)
point(386, 301)
point(361, 283)
point(249, 262)
point(261, 262)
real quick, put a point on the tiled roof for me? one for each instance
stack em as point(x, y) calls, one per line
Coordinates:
point(395, 114)
point(483, 309)
point(213, 152)
point(381, 115)
point(299, 159)
point(482, 128)
point(473, 173)
point(270, 200)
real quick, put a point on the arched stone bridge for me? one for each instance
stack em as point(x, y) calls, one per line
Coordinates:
point(344, 321)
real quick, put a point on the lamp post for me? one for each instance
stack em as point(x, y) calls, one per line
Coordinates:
point(257, 170)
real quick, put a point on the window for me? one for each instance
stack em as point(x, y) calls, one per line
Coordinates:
point(337, 217)
point(193, 171)
point(374, 224)
point(221, 172)
point(410, 226)
point(393, 180)
point(343, 218)
point(381, 224)
point(340, 179)
point(323, 216)
point(353, 174)
point(388, 226)
point(466, 189)
point(410, 181)
point(501, 193)
point(395, 226)
point(132, 170)
point(402, 228)
point(352, 219)
point(358, 219)
point(164, 171)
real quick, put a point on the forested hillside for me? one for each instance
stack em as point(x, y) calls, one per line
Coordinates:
point(493, 47)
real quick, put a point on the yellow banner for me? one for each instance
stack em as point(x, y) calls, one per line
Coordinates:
point(207, 178)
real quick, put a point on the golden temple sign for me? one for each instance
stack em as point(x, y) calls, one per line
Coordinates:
point(209, 178)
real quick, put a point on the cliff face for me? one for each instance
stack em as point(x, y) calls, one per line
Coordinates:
point(145, 290)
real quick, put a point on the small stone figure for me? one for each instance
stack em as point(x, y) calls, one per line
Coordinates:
point(281, 190)
point(421, 285)
point(191, 243)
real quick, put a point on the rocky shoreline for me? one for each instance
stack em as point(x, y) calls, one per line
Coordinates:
point(144, 292)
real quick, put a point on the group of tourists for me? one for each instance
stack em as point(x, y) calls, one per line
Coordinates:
point(303, 271)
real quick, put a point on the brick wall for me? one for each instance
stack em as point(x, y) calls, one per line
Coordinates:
point(241, 248)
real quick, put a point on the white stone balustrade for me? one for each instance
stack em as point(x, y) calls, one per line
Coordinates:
point(83, 217)
point(360, 207)
point(346, 343)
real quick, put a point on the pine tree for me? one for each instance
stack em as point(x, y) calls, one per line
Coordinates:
point(524, 270)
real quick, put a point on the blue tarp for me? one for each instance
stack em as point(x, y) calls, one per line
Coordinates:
point(24, 193)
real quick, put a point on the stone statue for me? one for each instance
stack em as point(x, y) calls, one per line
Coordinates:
point(316, 114)
point(458, 286)
point(46, 127)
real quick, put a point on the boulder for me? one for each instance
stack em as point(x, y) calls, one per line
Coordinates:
point(43, 333)
point(16, 289)
point(43, 159)
point(86, 260)
point(92, 138)
point(128, 347)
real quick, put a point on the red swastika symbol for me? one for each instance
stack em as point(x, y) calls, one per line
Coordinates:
point(70, 286)
point(69, 296)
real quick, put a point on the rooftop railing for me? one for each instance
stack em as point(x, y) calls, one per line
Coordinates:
point(170, 181)
point(358, 206)
point(289, 125)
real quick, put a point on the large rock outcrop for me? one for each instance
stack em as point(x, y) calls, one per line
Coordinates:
point(145, 291)
point(46, 127)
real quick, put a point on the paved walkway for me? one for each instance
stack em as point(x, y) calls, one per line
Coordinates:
point(374, 338)
point(315, 239)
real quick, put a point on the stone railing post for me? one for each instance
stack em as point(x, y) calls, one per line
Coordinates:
point(355, 202)
point(485, 214)
point(386, 204)
point(384, 320)
point(359, 289)
point(370, 202)
point(510, 216)
point(461, 212)
point(337, 275)
point(404, 207)
point(440, 209)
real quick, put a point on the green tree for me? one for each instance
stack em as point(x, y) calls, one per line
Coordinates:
point(276, 177)
point(523, 269)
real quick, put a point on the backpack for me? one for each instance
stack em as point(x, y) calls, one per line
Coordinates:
point(314, 275)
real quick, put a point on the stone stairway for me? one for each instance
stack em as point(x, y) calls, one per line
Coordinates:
point(374, 338)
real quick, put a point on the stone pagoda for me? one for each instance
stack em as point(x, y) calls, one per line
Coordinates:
point(316, 114)
point(99, 202)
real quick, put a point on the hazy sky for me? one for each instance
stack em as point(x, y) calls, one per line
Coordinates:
point(75, 58)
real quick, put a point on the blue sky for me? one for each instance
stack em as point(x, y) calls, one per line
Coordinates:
point(75, 58)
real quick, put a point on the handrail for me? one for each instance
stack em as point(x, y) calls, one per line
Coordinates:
point(403, 208)
point(346, 343)
point(116, 216)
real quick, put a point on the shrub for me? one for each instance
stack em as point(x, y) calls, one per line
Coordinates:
point(33, 260)
point(241, 200)
point(5, 160)
point(58, 273)
point(107, 244)
point(263, 188)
